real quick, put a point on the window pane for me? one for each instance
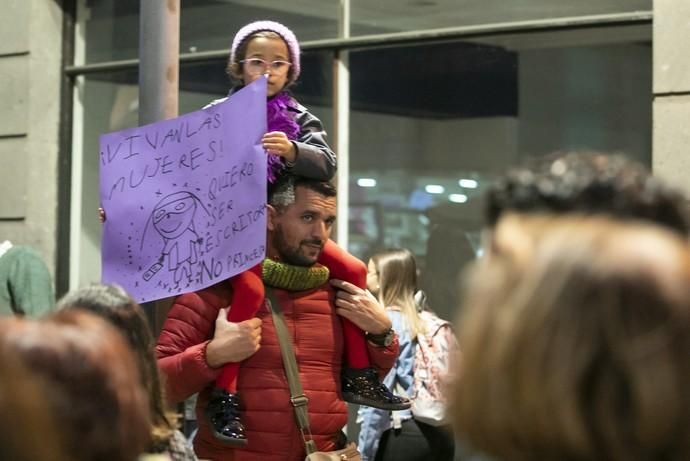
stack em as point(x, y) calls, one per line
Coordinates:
point(112, 27)
point(211, 25)
point(387, 16)
point(432, 125)
point(111, 30)
point(110, 103)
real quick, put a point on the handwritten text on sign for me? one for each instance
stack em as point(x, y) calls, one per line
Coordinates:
point(185, 198)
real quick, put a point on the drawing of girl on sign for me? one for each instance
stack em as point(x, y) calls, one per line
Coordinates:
point(173, 219)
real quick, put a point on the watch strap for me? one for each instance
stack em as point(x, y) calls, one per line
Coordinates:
point(380, 339)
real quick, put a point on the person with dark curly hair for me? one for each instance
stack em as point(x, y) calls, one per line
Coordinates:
point(588, 183)
point(582, 183)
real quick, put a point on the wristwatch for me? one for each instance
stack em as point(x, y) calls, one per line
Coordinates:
point(384, 339)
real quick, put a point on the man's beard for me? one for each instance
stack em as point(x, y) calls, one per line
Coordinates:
point(293, 255)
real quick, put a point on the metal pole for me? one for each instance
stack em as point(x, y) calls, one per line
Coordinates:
point(342, 120)
point(159, 56)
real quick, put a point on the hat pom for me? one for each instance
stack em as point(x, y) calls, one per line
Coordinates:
point(286, 34)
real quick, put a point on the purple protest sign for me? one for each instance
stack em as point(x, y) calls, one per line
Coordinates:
point(185, 198)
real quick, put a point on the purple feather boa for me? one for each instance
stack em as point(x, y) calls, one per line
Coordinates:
point(280, 118)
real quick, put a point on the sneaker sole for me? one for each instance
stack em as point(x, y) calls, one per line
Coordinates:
point(359, 400)
point(229, 440)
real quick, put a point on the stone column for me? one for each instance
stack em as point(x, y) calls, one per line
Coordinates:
point(671, 120)
point(30, 76)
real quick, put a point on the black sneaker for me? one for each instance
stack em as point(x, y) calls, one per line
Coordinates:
point(223, 412)
point(362, 386)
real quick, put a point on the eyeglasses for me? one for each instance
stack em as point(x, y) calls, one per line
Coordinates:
point(259, 66)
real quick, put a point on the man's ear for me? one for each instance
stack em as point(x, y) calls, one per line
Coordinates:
point(271, 217)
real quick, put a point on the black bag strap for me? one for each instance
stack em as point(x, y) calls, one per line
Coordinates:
point(297, 398)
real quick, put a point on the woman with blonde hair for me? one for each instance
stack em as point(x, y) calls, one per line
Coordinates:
point(576, 343)
point(385, 435)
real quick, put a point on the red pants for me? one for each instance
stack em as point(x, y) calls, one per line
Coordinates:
point(248, 295)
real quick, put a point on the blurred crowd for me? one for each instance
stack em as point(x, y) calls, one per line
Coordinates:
point(573, 340)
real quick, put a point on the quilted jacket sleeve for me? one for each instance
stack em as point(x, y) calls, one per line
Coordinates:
point(181, 348)
point(315, 158)
point(383, 358)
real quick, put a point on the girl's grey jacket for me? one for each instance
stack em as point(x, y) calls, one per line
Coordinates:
point(315, 159)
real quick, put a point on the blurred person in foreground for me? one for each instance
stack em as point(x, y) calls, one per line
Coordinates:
point(113, 304)
point(590, 183)
point(576, 336)
point(24, 415)
point(88, 376)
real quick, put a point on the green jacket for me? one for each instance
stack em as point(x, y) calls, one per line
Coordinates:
point(26, 287)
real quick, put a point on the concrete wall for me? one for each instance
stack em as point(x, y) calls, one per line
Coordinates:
point(671, 127)
point(30, 60)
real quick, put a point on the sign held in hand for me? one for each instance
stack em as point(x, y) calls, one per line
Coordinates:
point(185, 198)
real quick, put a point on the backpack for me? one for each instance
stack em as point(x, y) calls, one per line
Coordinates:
point(433, 356)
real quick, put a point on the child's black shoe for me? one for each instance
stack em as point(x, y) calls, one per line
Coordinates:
point(223, 412)
point(362, 386)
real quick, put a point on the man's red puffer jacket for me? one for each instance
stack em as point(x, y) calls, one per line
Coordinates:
point(268, 416)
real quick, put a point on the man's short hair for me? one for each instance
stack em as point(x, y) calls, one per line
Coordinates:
point(588, 183)
point(281, 193)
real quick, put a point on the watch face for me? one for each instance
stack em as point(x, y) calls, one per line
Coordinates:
point(383, 339)
point(388, 339)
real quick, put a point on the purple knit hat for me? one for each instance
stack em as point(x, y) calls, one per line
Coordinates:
point(284, 32)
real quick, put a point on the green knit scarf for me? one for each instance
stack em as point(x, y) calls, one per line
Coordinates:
point(293, 278)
